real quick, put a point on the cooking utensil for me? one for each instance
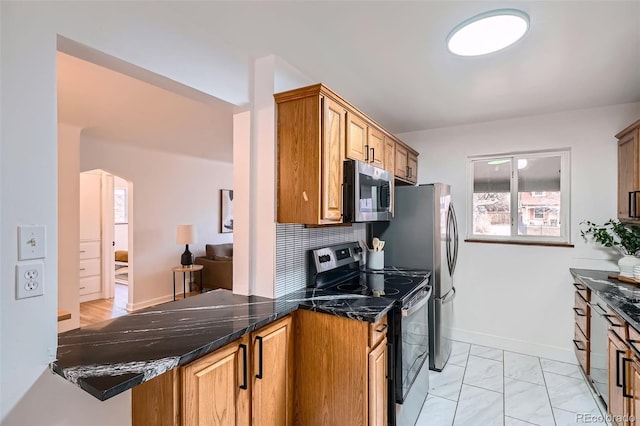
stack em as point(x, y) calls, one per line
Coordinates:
point(381, 245)
point(375, 243)
point(364, 244)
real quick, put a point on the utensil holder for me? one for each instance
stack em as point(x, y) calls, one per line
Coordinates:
point(375, 259)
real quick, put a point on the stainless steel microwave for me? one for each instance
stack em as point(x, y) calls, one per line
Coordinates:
point(367, 192)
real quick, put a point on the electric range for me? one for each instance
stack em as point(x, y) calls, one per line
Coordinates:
point(342, 268)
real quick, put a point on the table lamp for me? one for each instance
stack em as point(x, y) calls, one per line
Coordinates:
point(186, 236)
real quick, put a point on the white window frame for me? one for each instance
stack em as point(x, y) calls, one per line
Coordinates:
point(565, 198)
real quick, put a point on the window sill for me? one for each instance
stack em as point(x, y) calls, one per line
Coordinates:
point(519, 243)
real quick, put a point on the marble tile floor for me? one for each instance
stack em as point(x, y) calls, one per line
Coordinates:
point(483, 386)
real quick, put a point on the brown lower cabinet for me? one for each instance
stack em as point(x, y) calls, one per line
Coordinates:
point(337, 366)
point(619, 380)
point(249, 378)
point(340, 371)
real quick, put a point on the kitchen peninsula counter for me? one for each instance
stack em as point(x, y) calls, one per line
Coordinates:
point(108, 358)
point(622, 297)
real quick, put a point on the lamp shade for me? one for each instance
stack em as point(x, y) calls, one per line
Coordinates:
point(186, 234)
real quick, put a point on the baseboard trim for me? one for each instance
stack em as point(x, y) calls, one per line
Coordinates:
point(131, 307)
point(514, 345)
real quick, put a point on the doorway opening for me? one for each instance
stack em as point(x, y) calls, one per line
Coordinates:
point(106, 273)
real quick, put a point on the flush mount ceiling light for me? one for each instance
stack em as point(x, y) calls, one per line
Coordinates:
point(488, 32)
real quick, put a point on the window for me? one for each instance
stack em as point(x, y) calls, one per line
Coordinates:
point(521, 197)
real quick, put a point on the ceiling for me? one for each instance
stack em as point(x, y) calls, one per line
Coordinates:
point(388, 58)
point(116, 108)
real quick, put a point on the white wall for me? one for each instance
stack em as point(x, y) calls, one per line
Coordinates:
point(169, 190)
point(69, 220)
point(145, 34)
point(520, 297)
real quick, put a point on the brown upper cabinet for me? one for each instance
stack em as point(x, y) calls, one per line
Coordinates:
point(317, 130)
point(406, 163)
point(629, 173)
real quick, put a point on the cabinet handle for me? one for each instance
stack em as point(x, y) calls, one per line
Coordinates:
point(579, 286)
point(245, 373)
point(611, 323)
point(83, 269)
point(82, 288)
point(575, 342)
point(259, 375)
point(579, 312)
point(633, 347)
point(373, 155)
point(83, 251)
point(633, 195)
point(408, 171)
point(618, 352)
point(383, 328)
point(366, 149)
point(624, 378)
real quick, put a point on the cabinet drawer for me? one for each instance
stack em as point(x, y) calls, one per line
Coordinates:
point(89, 285)
point(89, 267)
point(634, 341)
point(583, 290)
point(377, 332)
point(619, 325)
point(581, 348)
point(89, 250)
point(582, 313)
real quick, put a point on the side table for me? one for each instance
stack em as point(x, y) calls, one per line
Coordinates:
point(184, 269)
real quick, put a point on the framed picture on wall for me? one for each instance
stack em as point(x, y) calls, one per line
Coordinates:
point(226, 210)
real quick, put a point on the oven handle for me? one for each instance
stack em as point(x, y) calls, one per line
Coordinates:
point(410, 310)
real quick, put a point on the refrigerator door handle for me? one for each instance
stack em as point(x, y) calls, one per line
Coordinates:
point(455, 240)
point(448, 238)
point(448, 298)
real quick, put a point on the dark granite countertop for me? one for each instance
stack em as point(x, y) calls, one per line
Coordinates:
point(622, 297)
point(110, 357)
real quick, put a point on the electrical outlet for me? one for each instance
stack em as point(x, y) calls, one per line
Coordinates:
point(29, 280)
point(31, 242)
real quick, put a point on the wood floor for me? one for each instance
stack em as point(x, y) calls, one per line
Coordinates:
point(104, 309)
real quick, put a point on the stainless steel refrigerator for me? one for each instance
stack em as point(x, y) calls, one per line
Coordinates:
point(423, 234)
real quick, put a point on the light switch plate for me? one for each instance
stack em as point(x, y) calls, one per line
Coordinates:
point(29, 280)
point(31, 242)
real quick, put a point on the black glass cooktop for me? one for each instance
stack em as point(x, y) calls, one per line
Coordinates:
point(392, 283)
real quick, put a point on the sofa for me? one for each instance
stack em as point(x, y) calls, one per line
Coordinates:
point(218, 267)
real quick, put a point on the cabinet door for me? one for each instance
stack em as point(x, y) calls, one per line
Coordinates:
point(272, 375)
point(357, 148)
point(216, 388)
point(375, 139)
point(618, 377)
point(401, 161)
point(412, 164)
point(332, 159)
point(378, 385)
point(628, 175)
point(635, 388)
point(389, 154)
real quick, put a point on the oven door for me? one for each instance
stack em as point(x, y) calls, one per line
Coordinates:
point(412, 385)
point(414, 338)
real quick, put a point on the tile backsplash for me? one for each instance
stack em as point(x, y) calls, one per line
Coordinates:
point(294, 241)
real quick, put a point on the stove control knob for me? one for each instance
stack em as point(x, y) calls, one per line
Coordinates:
point(324, 258)
point(357, 249)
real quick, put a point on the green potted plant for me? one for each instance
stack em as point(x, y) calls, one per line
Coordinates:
point(623, 237)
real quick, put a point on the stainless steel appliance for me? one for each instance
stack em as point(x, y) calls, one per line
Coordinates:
point(366, 192)
point(424, 234)
point(599, 351)
point(339, 268)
